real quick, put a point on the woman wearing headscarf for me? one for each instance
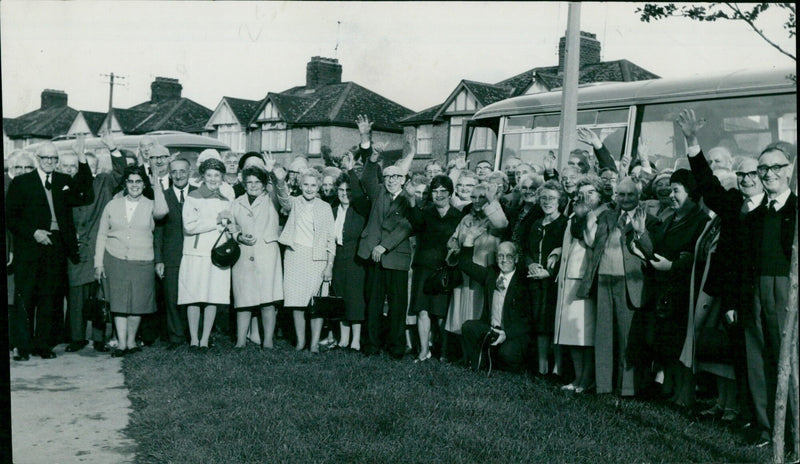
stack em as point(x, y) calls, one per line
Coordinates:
point(310, 251)
point(258, 274)
point(206, 213)
point(124, 255)
point(673, 251)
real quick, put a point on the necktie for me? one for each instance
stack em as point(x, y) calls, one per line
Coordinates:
point(501, 283)
point(47, 184)
point(772, 205)
point(623, 220)
point(181, 197)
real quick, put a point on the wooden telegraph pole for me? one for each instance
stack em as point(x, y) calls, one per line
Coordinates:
point(569, 92)
point(111, 77)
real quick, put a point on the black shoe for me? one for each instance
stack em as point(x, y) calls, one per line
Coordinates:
point(100, 347)
point(117, 353)
point(46, 354)
point(134, 350)
point(22, 357)
point(76, 346)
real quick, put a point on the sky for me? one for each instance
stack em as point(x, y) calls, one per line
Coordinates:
point(412, 53)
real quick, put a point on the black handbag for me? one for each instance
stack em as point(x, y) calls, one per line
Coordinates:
point(443, 280)
point(226, 254)
point(97, 307)
point(327, 307)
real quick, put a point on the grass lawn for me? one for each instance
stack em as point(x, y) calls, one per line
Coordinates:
point(254, 406)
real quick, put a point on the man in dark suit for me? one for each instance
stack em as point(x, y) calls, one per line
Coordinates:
point(770, 231)
point(726, 270)
point(168, 238)
point(506, 308)
point(39, 216)
point(384, 243)
point(615, 277)
point(82, 283)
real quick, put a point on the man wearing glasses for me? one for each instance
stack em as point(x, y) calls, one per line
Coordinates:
point(39, 216)
point(385, 245)
point(725, 271)
point(770, 230)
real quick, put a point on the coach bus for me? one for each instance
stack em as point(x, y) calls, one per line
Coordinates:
point(744, 112)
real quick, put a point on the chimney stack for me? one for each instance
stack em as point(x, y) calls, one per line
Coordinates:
point(321, 71)
point(590, 51)
point(164, 88)
point(52, 98)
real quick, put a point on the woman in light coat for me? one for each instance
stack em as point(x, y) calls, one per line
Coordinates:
point(206, 213)
point(309, 236)
point(258, 274)
point(575, 317)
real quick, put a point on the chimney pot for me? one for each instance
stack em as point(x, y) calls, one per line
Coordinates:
point(321, 71)
point(52, 98)
point(589, 51)
point(165, 88)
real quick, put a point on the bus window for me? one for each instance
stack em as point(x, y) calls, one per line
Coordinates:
point(742, 125)
point(531, 137)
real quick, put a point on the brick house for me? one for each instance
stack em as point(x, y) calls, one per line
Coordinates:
point(309, 119)
point(166, 110)
point(438, 129)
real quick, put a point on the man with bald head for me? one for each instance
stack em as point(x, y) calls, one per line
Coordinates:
point(39, 216)
point(503, 330)
point(615, 276)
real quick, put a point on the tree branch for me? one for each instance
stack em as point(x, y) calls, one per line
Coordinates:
point(757, 30)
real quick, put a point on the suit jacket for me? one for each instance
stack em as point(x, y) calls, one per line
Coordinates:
point(516, 317)
point(753, 227)
point(27, 210)
point(168, 235)
point(387, 224)
point(355, 217)
point(634, 266)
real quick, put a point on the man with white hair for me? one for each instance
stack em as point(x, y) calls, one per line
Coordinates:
point(720, 158)
point(39, 216)
point(385, 245)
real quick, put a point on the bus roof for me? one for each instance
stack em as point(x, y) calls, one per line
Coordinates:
point(169, 139)
point(615, 94)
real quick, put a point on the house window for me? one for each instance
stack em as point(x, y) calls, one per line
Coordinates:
point(482, 139)
point(314, 140)
point(425, 139)
point(275, 138)
point(456, 124)
point(231, 135)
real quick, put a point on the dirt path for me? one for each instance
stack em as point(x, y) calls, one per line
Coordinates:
point(70, 409)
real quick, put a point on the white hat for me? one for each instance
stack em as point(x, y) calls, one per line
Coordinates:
point(208, 153)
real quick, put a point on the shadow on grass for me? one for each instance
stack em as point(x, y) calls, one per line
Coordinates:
point(257, 406)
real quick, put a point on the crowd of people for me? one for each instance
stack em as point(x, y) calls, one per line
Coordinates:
point(608, 275)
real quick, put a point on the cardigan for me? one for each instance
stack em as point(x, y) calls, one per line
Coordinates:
point(122, 239)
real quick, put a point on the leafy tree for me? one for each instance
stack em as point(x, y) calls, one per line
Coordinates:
point(747, 12)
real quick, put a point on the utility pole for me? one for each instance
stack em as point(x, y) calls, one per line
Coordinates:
point(111, 77)
point(569, 89)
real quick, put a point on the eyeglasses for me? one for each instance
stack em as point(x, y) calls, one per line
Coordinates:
point(505, 257)
point(775, 169)
point(744, 175)
point(48, 158)
point(394, 176)
point(526, 187)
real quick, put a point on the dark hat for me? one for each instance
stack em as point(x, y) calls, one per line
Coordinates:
point(244, 157)
point(685, 178)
